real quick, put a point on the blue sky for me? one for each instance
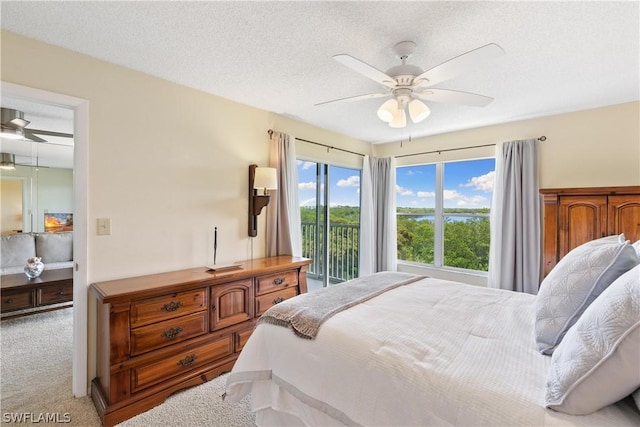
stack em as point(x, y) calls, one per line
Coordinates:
point(467, 184)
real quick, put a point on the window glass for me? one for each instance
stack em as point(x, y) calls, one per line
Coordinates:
point(468, 188)
point(416, 203)
point(443, 213)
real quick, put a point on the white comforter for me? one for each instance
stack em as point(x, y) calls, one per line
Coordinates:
point(430, 353)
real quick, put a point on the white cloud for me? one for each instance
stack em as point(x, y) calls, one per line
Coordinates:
point(404, 191)
point(352, 181)
point(461, 200)
point(305, 165)
point(426, 194)
point(307, 185)
point(482, 182)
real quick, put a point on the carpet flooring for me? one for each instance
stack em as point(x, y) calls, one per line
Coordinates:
point(35, 384)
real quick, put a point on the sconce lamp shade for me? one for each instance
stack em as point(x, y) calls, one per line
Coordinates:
point(265, 178)
point(418, 111)
point(259, 178)
point(7, 161)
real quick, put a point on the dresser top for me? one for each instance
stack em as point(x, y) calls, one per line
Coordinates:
point(174, 281)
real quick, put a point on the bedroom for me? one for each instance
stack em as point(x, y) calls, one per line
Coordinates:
point(149, 139)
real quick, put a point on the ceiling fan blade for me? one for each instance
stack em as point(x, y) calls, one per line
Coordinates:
point(49, 133)
point(366, 70)
point(356, 98)
point(30, 136)
point(454, 97)
point(453, 67)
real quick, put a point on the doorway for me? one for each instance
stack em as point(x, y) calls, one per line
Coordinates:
point(329, 200)
point(80, 108)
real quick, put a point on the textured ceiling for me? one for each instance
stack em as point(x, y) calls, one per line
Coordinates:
point(277, 56)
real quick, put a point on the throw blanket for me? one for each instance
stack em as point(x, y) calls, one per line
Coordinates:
point(305, 313)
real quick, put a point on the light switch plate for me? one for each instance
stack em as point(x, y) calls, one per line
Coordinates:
point(104, 226)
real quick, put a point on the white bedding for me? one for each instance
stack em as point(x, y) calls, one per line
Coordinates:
point(430, 353)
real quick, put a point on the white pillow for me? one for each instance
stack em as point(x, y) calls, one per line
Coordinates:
point(573, 284)
point(598, 361)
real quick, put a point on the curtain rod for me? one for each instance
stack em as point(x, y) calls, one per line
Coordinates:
point(329, 147)
point(542, 139)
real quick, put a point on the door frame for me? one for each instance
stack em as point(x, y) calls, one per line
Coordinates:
point(80, 107)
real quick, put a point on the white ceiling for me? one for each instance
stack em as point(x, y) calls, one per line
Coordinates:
point(277, 56)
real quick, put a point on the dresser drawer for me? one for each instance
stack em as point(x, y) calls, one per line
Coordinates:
point(55, 294)
point(273, 282)
point(241, 339)
point(169, 332)
point(167, 307)
point(153, 373)
point(16, 300)
point(264, 302)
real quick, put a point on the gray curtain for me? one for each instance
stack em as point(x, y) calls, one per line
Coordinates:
point(378, 234)
point(284, 234)
point(514, 255)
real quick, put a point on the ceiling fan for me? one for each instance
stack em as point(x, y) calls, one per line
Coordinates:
point(14, 126)
point(408, 84)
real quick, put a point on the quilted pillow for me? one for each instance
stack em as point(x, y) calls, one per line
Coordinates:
point(596, 364)
point(573, 284)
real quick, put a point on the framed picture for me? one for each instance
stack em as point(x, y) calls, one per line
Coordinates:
point(56, 222)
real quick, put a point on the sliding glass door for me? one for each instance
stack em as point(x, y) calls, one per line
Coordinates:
point(329, 200)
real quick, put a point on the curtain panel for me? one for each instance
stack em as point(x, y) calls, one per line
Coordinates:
point(378, 240)
point(515, 251)
point(284, 234)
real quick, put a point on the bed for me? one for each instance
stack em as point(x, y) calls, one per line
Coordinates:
point(423, 353)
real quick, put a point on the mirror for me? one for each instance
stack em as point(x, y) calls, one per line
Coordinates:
point(37, 195)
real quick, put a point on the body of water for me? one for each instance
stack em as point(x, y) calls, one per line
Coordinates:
point(447, 217)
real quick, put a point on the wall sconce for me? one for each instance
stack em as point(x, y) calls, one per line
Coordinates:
point(259, 178)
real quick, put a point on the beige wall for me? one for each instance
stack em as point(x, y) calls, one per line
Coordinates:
point(167, 163)
point(591, 148)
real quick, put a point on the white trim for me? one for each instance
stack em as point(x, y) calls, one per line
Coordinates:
point(80, 214)
point(438, 220)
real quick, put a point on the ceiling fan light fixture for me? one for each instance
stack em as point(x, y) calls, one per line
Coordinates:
point(11, 133)
point(7, 161)
point(399, 119)
point(387, 110)
point(418, 111)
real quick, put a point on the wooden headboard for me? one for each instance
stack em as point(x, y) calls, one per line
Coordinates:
point(573, 216)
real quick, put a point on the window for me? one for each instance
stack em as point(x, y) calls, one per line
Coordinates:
point(443, 213)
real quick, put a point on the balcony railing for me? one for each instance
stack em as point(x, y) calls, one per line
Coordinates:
point(343, 250)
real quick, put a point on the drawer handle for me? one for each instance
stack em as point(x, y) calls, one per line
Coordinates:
point(60, 293)
point(9, 301)
point(188, 360)
point(171, 333)
point(172, 306)
point(278, 300)
point(278, 281)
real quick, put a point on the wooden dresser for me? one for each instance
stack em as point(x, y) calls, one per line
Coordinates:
point(164, 332)
point(573, 216)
